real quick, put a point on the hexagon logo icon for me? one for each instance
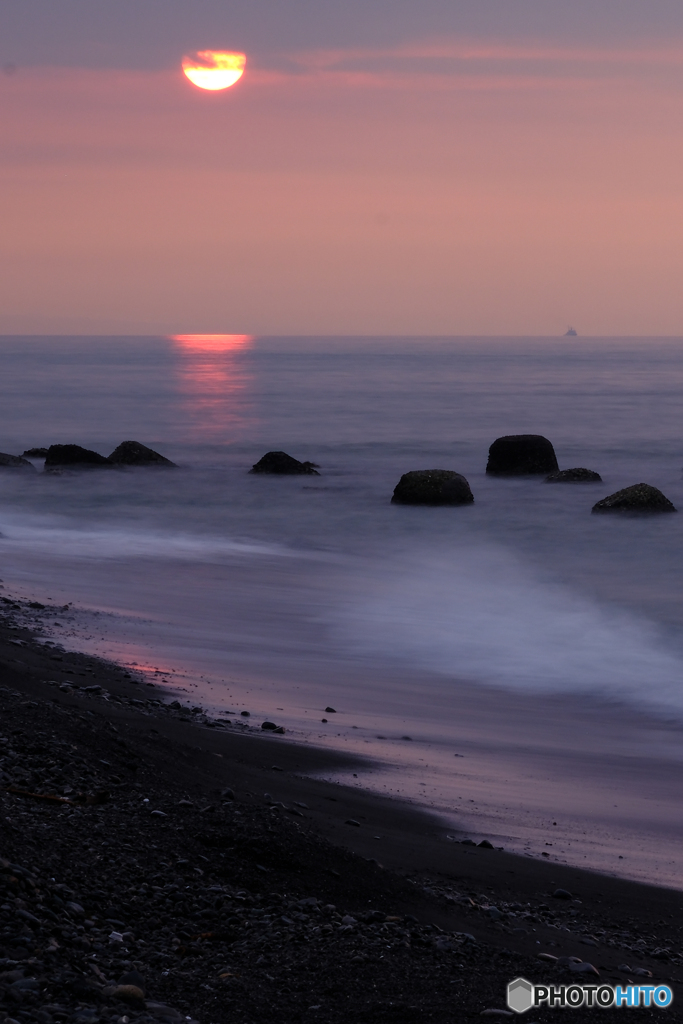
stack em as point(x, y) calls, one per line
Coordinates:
point(520, 995)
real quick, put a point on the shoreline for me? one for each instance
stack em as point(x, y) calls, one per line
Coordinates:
point(502, 900)
point(586, 783)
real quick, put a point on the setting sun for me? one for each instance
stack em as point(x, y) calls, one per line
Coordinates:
point(214, 69)
point(212, 342)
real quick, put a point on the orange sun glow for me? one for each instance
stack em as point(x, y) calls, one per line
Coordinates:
point(214, 69)
point(212, 342)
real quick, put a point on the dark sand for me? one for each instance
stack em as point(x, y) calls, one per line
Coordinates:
point(201, 940)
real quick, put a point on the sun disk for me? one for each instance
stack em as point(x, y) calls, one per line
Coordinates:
point(214, 69)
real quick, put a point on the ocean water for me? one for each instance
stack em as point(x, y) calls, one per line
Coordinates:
point(541, 645)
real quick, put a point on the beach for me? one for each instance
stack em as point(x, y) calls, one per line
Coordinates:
point(531, 651)
point(195, 845)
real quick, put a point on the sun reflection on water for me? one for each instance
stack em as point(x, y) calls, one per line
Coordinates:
point(213, 379)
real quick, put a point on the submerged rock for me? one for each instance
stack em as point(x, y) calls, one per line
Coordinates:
point(432, 487)
point(14, 462)
point(72, 456)
point(132, 453)
point(579, 475)
point(282, 464)
point(521, 455)
point(638, 498)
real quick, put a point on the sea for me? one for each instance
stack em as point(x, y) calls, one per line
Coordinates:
point(515, 666)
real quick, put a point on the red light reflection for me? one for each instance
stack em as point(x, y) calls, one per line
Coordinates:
point(212, 379)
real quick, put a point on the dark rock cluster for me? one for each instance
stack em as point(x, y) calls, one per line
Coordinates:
point(61, 457)
point(515, 455)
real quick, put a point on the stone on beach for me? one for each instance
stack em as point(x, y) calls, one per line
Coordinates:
point(578, 475)
point(14, 462)
point(432, 487)
point(132, 453)
point(637, 498)
point(583, 968)
point(130, 994)
point(521, 455)
point(562, 894)
point(72, 456)
point(282, 464)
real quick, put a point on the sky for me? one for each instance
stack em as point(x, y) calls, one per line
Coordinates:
point(383, 167)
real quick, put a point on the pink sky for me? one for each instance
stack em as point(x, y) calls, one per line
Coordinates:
point(446, 187)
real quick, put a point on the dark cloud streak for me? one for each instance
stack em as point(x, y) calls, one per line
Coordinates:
point(153, 33)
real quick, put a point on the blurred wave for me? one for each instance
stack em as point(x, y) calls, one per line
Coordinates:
point(55, 541)
point(480, 613)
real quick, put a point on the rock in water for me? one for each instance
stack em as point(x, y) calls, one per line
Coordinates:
point(72, 456)
point(282, 464)
point(521, 455)
point(574, 476)
point(132, 453)
point(14, 462)
point(432, 487)
point(638, 498)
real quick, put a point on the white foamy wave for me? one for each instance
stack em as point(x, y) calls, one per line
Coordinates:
point(54, 541)
point(480, 614)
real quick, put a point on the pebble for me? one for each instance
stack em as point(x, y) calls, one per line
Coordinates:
point(584, 968)
point(134, 978)
point(562, 894)
point(130, 994)
point(163, 1012)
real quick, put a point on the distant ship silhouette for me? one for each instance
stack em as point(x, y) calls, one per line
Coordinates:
point(571, 333)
